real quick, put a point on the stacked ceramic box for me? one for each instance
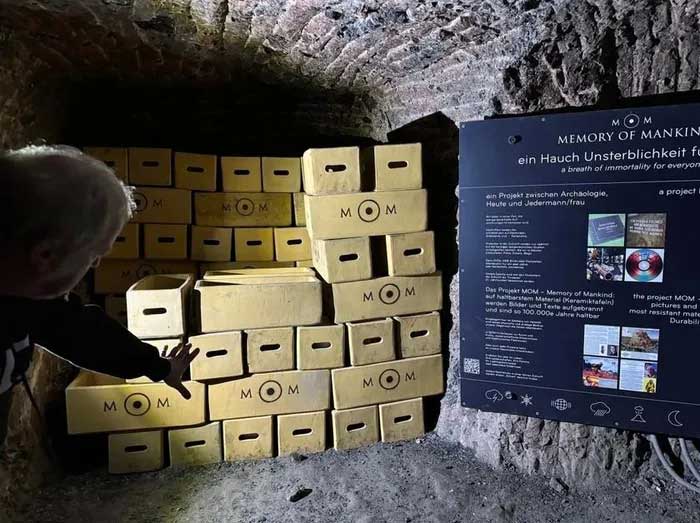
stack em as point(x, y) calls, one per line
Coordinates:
point(248, 400)
point(366, 213)
point(282, 370)
point(200, 212)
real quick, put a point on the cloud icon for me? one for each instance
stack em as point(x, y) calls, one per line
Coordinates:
point(600, 409)
point(493, 395)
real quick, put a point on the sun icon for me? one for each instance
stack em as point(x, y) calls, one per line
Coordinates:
point(526, 400)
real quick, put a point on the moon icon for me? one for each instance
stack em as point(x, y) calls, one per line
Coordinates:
point(673, 418)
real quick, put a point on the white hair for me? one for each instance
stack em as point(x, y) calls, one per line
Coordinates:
point(59, 194)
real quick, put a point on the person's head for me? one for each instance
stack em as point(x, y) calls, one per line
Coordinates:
point(60, 212)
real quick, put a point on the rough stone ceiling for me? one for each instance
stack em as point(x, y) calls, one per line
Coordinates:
point(404, 59)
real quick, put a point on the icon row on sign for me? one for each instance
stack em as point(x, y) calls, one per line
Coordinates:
point(600, 409)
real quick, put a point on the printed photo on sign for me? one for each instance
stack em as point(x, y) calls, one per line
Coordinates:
point(644, 265)
point(601, 340)
point(606, 230)
point(640, 343)
point(638, 376)
point(600, 372)
point(606, 264)
point(646, 230)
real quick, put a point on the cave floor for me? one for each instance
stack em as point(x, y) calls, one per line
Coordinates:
point(428, 480)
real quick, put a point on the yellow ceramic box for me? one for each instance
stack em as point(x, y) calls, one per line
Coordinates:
point(371, 341)
point(281, 174)
point(354, 428)
point(303, 433)
point(211, 244)
point(136, 451)
point(292, 244)
point(331, 170)
point(387, 382)
point(419, 335)
point(254, 244)
point(401, 420)
point(270, 350)
point(248, 438)
point(116, 276)
point(165, 241)
point(366, 214)
point(411, 253)
point(285, 392)
point(243, 209)
point(320, 347)
point(196, 172)
point(150, 166)
point(220, 355)
point(99, 403)
point(241, 174)
point(156, 306)
point(388, 296)
point(195, 445)
point(160, 205)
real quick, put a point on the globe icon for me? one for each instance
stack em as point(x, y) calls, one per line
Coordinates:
point(561, 404)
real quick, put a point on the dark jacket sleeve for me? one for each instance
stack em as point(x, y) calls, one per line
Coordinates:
point(88, 338)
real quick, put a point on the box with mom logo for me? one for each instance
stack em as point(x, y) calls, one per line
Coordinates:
point(162, 205)
point(100, 403)
point(387, 296)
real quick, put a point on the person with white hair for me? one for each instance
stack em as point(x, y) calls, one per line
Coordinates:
point(60, 212)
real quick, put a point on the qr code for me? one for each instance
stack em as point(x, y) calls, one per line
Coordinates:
point(472, 366)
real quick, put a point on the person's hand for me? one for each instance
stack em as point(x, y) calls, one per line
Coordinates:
point(180, 358)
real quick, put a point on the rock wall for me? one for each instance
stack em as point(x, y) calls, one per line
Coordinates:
point(30, 112)
point(407, 69)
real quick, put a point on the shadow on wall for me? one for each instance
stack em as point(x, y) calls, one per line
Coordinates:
point(440, 138)
point(253, 119)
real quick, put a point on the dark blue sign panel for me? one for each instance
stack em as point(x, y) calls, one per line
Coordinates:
point(580, 267)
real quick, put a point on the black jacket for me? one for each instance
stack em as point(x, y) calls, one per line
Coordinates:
point(82, 334)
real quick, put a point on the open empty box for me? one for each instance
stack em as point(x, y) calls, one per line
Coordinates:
point(157, 305)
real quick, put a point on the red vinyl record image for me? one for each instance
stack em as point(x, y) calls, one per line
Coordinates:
point(644, 265)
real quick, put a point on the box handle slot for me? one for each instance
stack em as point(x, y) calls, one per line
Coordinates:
point(398, 164)
point(403, 419)
point(120, 239)
point(419, 334)
point(372, 341)
point(413, 252)
point(321, 345)
point(356, 426)
point(154, 311)
point(336, 168)
point(166, 239)
point(241, 172)
point(280, 172)
point(110, 163)
point(195, 169)
point(248, 437)
point(215, 353)
point(196, 443)
point(150, 163)
point(301, 432)
point(348, 257)
point(253, 242)
point(295, 241)
point(211, 242)
point(269, 347)
point(135, 448)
